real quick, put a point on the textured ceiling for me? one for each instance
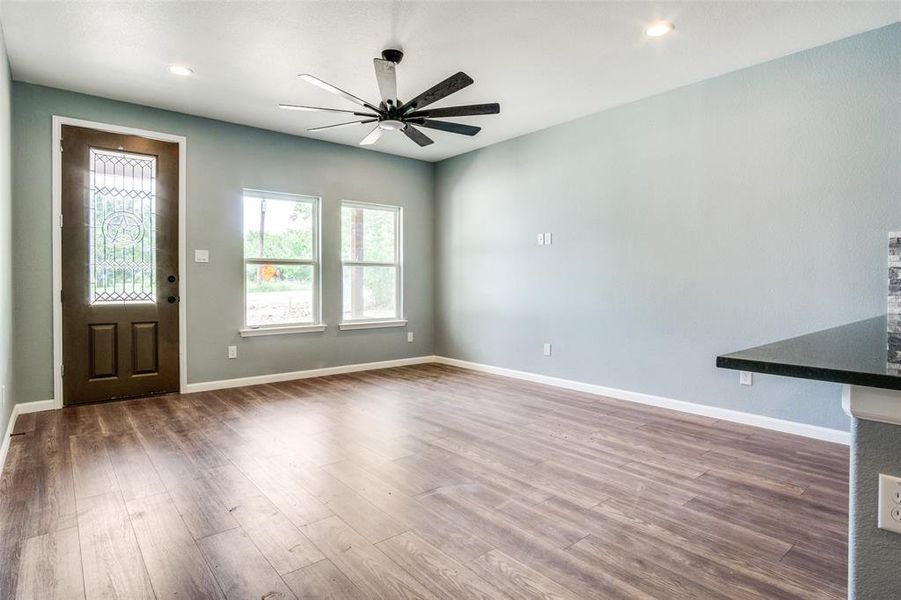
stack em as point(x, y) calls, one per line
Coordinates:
point(545, 62)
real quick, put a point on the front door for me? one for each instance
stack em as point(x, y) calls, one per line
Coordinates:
point(119, 265)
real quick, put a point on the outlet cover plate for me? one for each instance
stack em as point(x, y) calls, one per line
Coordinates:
point(889, 503)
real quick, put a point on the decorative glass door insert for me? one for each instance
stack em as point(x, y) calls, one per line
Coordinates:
point(122, 227)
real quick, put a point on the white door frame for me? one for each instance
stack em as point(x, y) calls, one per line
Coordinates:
point(56, 222)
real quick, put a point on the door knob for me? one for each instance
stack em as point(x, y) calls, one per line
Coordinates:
point(172, 299)
point(171, 278)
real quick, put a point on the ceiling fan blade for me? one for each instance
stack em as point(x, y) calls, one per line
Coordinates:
point(418, 136)
point(385, 74)
point(335, 90)
point(457, 111)
point(342, 124)
point(452, 84)
point(373, 136)
point(451, 127)
point(320, 108)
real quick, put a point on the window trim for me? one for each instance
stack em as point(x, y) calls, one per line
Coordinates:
point(398, 319)
point(316, 325)
point(281, 330)
point(371, 324)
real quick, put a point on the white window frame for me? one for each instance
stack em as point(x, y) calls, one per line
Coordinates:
point(372, 323)
point(284, 328)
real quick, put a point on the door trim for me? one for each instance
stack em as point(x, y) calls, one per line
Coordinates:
point(56, 230)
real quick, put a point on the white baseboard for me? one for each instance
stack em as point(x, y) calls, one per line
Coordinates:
point(810, 431)
point(21, 409)
point(206, 386)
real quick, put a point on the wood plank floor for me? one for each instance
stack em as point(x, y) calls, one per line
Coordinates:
point(415, 482)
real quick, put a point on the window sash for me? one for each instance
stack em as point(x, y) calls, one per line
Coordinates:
point(397, 314)
point(314, 317)
point(280, 261)
point(395, 212)
point(314, 203)
point(356, 263)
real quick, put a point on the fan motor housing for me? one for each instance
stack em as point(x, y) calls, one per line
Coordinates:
point(393, 54)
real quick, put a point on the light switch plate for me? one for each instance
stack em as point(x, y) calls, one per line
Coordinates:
point(201, 256)
point(233, 352)
point(889, 514)
point(547, 349)
point(548, 238)
point(746, 378)
point(410, 337)
point(541, 239)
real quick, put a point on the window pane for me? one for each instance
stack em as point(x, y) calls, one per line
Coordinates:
point(279, 294)
point(122, 227)
point(370, 292)
point(368, 234)
point(286, 226)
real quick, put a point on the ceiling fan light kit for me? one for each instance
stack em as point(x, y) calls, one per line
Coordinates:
point(393, 115)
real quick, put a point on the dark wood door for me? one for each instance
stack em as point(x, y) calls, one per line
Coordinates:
point(119, 266)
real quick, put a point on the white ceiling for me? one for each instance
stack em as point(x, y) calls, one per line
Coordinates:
point(545, 62)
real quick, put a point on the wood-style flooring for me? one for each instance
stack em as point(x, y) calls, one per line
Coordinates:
point(415, 482)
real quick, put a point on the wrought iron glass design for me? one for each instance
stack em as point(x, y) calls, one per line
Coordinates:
point(122, 227)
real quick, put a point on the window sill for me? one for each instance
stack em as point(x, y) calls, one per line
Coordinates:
point(251, 332)
point(371, 324)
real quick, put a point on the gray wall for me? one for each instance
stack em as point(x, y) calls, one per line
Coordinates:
point(222, 160)
point(714, 217)
point(874, 553)
point(744, 209)
point(6, 291)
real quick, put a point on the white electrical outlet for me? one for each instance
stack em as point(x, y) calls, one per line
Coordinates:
point(547, 349)
point(201, 256)
point(548, 238)
point(746, 378)
point(889, 517)
point(541, 239)
point(410, 337)
point(233, 352)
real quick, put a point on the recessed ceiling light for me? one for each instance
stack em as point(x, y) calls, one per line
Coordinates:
point(659, 28)
point(180, 70)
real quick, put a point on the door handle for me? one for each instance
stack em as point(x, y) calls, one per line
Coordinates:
point(171, 278)
point(172, 299)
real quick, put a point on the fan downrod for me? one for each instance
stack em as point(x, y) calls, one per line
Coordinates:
point(393, 54)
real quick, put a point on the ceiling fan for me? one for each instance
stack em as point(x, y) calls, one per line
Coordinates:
point(393, 115)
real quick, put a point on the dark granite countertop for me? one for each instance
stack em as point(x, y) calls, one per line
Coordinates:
point(865, 353)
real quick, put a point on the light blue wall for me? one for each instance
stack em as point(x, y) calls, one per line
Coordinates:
point(6, 234)
point(737, 211)
point(223, 159)
point(729, 213)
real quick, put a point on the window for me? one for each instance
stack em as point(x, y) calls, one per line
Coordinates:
point(122, 227)
point(281, 262)
point(370, 255)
